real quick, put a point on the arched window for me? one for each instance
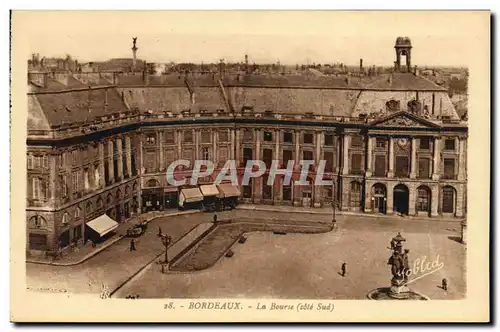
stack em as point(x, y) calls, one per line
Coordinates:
point(78, 212)
point(423, 199)
point(355, 194)
point(37, 222)
point(109, 199)
point(99, 203)
point(152, 183)
point(88, 207)
point(118, 195)
point(127, 191)
point(448, 199)
point(65, 218)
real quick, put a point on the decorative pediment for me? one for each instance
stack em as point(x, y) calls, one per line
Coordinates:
point(403, 119)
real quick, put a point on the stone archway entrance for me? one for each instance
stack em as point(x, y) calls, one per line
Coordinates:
point(401, 199)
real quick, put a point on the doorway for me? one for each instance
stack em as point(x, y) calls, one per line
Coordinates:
point(401, 199)
point(379, 198)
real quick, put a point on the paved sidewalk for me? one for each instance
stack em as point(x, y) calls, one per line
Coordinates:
point(79, 255)
point(328, 211)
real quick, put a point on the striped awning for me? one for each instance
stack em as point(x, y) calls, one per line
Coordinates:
point(103, 224)
point(228, 190)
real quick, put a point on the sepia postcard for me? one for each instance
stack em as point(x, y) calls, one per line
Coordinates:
point(250, 166)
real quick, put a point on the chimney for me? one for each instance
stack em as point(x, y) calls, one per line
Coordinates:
point(389, 79)
point(416, 71)
point(45, 79)
point(348, 79)
point(361, 65)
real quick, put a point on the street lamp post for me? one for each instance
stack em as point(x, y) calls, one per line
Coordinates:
point(334, 219)
point(165, 240)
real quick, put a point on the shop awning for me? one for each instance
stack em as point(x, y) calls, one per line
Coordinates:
point(191, 195)
point(228, 190)
point(209, 190)
point(103, 224)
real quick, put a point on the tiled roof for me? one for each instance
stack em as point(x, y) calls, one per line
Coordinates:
point(73, 106)
point(298, 101)
point(398, 82)
point(158, 100)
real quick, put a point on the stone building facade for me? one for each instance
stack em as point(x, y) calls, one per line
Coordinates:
point(392, 144)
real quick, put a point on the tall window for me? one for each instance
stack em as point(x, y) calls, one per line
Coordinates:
point(30, 161)
point(308, 138)
point(39, 189)
point(425, 143)
point(380, 142)
point(287, 137)
point(356, 166)
point(267, 190)
point(268, 157)
point(268, 136)
point(223, 135)
point(355, 194)
point(328, 140)
point(287, 192)
point(423, 199)
point(448, 200)
point(328, 158)
point(170, 137)
point(402, 166)
point(247, 135)
point(151, 139)
point(205, 153)
point(287, 156)
point(247, 155)
point(356, 141)
point(188, 136)
point(64, 185)
point(423, 168)
point(449, 144)
point(247, 190)
point(307, 155)
point(380, 164)
point(449, 168)
point(206, 136)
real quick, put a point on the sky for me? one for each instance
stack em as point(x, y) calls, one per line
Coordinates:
point(290, 37)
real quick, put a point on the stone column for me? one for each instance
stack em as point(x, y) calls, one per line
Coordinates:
point(390, 173)
point(120, 157)
point(436, 159)
point(197, 134)
point(111, 158)
point(232, 152)
point(277, 182)
point(296, 189)
point(215, 137)
point(345, 153)
point(369, 153)
point(257, 190)
point(462, 162)
point(412, 201)
point(413, 168)
point(368, 197)
point(128, 148)
point(318, 189)
point(102, 179)
point(161, 154)
point(53, 179)
point(237, 147)
point(390, 199)
point(338, 157)
point(179, 145)
point(459, 207)
point(435, 201)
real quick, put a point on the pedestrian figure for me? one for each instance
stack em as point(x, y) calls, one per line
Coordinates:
point(159, 231)
point(132, 245)
point(344, 265)
point(444, 284)
point(215, 218)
